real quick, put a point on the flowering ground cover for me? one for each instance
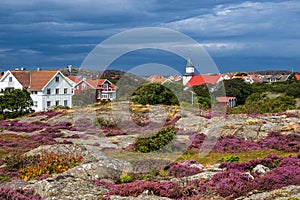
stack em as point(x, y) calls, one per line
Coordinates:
point(48, 164)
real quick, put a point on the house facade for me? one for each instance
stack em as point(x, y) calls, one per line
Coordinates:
point(226, 101)
point(47, 88)
point(104, 89)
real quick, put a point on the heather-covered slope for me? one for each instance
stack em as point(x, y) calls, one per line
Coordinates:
point(89, 154)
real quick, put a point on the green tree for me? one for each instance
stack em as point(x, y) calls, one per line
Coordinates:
point(257, 103)
point(238, 88)
point(18, 100)
point(201, 90)
point(154, 93)
point(204, 102)
point(178, 89)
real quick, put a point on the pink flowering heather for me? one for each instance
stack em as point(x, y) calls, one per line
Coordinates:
point(18, 194)
point(183, 169)
point(163, 189)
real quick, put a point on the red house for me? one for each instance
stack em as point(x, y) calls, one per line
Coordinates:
point(227, 101)
point(104, 89)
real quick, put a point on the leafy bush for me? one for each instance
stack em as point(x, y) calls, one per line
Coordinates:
point(154, 93)
point(156, 142)
point(230, 158)
point(125, 178)
point(50, 164)
point(17, 161)
point(257, 103)
point(60, 107)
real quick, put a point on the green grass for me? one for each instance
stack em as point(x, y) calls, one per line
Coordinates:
point(211, 158)
point(214, 157)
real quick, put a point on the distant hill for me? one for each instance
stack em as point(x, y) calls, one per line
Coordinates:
point(98, 74)
point(273, 72)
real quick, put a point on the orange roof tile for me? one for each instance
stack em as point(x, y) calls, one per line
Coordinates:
point(39, 79)
point(75, 79)
point(297, 77)
point(159, 80)
point(92, 82)
point(22, 76)
point(34, 80)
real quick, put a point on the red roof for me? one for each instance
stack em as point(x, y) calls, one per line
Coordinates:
point(93, 83)
point(203, 79)
point(97, 83)
point(298, 77)
point(75, 79)
point(224, 99)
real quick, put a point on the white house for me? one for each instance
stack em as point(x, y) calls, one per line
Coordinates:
point(47, 88)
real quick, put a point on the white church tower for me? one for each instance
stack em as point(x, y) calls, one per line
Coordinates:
point(189, 71)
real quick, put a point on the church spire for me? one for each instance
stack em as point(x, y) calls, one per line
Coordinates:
point(189, 68)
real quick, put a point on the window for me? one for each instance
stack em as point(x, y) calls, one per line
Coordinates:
point(57, 102)
point(49, 91)
point(10, 79)
point(83, 85)
point(65, 90)
point(105, 86)
point(33, 92)
point(35, 104)
point(57, 91)
point(65, 102)
point(56, 79)
point(48, 104)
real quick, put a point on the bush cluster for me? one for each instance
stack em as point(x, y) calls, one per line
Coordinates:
point(230, 158)
point(50, 164)
point(155, 142)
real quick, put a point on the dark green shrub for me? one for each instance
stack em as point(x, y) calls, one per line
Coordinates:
point(62, 107)
point(17, 161)
point(156, 141)
point(154, 93)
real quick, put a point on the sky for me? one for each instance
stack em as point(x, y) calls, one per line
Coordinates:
point(238, 35)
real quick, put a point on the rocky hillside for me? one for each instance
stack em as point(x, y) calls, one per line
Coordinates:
point(97, 153)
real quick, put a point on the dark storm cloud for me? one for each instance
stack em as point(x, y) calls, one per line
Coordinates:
point(57, 33)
